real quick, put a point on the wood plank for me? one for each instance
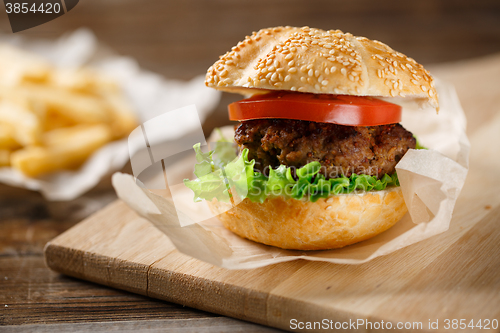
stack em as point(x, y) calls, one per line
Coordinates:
point(203, 325)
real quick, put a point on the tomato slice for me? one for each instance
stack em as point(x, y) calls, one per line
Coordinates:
point(338, 109)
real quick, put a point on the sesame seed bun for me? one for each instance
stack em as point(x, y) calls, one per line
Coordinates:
point(320, 62)
point(329, 223)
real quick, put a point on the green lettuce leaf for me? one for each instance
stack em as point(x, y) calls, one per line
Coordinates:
point(220, 172)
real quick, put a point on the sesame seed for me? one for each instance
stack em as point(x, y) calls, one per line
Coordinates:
point(351, 78)
point(424, 88)
point(303, 79)
point(223, 73)
point(292, 70)
point(431, 93)
point(301, 89)
point(274, 77)
point(293, 88)
point(303, 68)
point(276, 63)
point(343, 71)
point(288, 78)
point(310, 80)
point(316, 73)
point(269, 61)
point(393, 93)
point(263, 81)
point(310, 73)
point(395, 85)
point(268, 76)
point(379, 73)
point(327, 71)
point(333, 69)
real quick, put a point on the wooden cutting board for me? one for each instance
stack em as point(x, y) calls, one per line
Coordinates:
point(447, 280)
point(455, 275)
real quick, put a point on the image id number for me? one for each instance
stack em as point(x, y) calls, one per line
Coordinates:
point(24, 8)
point(485, 324)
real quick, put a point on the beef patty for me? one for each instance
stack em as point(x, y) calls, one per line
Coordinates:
point(341, 150)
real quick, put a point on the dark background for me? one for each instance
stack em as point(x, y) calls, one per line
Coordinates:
point(181, 39)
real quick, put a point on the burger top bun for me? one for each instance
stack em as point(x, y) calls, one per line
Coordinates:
point(321, 62)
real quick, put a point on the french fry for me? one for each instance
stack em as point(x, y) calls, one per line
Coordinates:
point(65, 148)
point(123, 118)
point(4, 157)
point(26, 125)
point(7, 139)
point(83, 80)
point(54, 120)
point(77, 107)
point(17, 66)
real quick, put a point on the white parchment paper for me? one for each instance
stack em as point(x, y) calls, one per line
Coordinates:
point(431, 181)
point(150, 95)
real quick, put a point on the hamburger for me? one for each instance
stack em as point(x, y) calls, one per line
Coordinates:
point(318, 139)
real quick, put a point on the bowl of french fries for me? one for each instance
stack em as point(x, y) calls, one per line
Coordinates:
point(53, 119)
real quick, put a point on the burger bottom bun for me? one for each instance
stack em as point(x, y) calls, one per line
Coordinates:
point(328, 223)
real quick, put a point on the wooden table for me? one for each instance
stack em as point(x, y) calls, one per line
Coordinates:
point(181, 41)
